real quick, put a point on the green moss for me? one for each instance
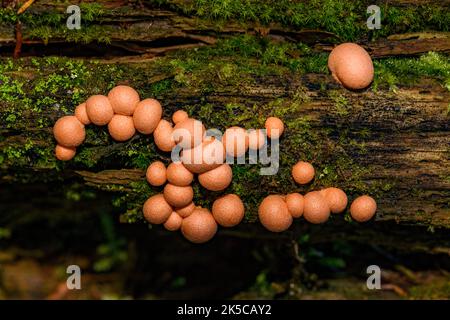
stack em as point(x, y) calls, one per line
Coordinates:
point(161, 87)
point(132, 201)
point(340, 102)
point(248, 56)
point(37, 91)
point(52, 23)
point(89, 11)
point(22, 153)
point(346, 19)
point(393, 71)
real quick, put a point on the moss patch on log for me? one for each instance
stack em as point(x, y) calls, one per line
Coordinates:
point(35, 92)
point(346, 19)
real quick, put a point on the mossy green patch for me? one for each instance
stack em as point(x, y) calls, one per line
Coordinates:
point(393, 71)
point(346, 19)
point(244, 57)
point(340, 102)
point(52, 23)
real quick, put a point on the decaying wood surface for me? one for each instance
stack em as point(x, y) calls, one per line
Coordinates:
point(408, 139)
point(408, 144)
point(149, 32)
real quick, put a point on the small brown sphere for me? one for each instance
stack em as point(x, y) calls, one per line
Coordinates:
point(199, 227)
point(351, 65)
point(99, 110)
point(174, 222)
point(65, 153)
point(303, 172)
point(123, 100)
point(178, 196)
point(156, 209)
point(206, 156)
point(256, 139)
point(81, 114)
point(186, 211)
point(274, 214)
point(235, 141)
point(147, 115)
point(315, 208)
point(336, 199)
point(228, 210)
point(188, 133)
point(295, 204)
point(163, 136)
point(216, 179)
point(179, 116)
point(274, 127)
point(363, 208)
point(69, 131)
point(178, 175)
point(156, 174)
point(121, 128)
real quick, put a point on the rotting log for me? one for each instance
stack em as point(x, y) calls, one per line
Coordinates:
point(408, 145)
point(393, 144)
point(406, 148)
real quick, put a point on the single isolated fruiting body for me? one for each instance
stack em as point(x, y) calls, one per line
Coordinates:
point(216, 179)
point(274, 127)
point(336, 198)
point(123, 100)
point(188, 133)
point(178, 175)
point(156, 209)
point(315, 208)
point(235, 141)
point(303, 172)
point(156, 174)
point(363, 208)
point(274, 214)
point(199, 227)
point(178, 196)
point(81, 114)
point(69, 131)
point(99, 110)
point(163, 136)
point(295, 204)
point(228, 210)
point(121, 128)
point(179, 116)
point(206, 156)
point(351, 65)
point(174, 222)
point(65, 153)
point(186, 211)
point(147, 115)
point(256, 139)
